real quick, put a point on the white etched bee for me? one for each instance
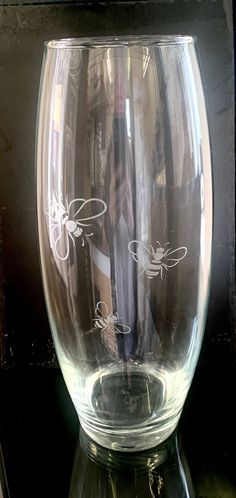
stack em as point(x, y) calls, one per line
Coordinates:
point(109, 327)
point(131, 401)
point(68, 222)
point(108, 321)
point(152, 261)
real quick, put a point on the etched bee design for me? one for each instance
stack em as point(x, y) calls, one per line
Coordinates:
point(69, 222)
point(109, 325)
point(152, 261)
point(131, 402)
point(105, 320)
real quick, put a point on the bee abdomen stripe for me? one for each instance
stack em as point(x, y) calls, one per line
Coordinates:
point(153, 266)
point(99, 324)
point(153, 271)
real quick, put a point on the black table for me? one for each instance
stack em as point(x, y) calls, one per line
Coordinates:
point(39, 434)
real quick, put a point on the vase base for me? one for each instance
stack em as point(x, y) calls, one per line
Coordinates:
point(127, 440)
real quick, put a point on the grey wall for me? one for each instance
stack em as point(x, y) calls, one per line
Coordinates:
point(24, 332)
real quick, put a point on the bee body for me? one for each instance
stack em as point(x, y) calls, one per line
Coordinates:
point(153, 269)
point(152, 261)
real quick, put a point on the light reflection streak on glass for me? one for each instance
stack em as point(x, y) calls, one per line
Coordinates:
point(145, 61)
point(202, 234)
point(109, 65)
point(127, 114)
point(129, 63)
point(51, 161)
point(193, 108)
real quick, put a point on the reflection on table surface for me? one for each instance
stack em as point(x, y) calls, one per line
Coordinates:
point(101, 473)
point(4, 492)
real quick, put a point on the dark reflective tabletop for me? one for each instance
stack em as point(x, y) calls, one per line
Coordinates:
point(102, 473)
point(45, 454)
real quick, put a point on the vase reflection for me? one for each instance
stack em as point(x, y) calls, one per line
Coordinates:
point(159, 472)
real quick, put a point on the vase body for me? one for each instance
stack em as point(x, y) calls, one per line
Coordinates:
point(124, 196)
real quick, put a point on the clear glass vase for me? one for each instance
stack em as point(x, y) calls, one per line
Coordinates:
point(125, 225)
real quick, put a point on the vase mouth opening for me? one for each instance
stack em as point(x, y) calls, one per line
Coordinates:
point(119, 41)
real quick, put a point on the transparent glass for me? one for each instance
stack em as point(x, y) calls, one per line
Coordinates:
point(125, 224)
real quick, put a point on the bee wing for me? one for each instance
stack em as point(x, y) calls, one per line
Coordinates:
point(173, 257)
point(120, 328)
point(99, 313)
point(52, 219)
point(79, 205)
point(140, 252)
point(56, 212)
point(61, 245)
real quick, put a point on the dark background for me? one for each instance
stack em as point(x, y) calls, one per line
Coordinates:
point(38, 426)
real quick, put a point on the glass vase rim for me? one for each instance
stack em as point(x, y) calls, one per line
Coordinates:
point(119, 41)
